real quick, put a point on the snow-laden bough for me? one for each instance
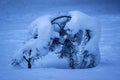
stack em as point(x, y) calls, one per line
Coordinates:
point(73, 35)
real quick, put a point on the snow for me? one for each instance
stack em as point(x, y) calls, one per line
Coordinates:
point(81, 21)
point(13, 33)
point(41, 31)
point(43, 27)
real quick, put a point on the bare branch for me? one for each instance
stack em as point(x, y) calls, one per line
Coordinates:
point(53, 21)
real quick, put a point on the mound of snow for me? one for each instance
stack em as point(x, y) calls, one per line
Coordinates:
point(81, 21)
point(59, 31)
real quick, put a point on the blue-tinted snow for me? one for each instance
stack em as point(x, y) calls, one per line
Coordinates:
point(16, 15)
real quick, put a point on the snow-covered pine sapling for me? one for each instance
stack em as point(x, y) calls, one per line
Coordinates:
point(87, 57)
point(68, 48)
point(60, 22)
point(27, 57)
point(85, 39)
point(75, 36)
point(69, 51)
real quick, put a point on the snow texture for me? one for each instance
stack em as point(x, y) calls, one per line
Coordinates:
point(16, 15)
point(42, 30)
point(81, 21)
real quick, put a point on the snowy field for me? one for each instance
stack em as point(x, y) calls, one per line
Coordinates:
point(13, 32)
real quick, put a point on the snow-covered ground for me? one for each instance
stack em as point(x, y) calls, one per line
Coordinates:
point(13, 32)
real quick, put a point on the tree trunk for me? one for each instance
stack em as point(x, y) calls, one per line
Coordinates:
point(29, 64)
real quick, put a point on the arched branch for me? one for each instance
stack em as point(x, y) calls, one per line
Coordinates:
point(53, 21)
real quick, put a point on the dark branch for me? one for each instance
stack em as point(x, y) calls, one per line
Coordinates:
point(25, 58)
point(53, 21)
point(59, 18)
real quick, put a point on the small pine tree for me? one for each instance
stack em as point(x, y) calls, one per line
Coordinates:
point(26, 58)
point(70, 45)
